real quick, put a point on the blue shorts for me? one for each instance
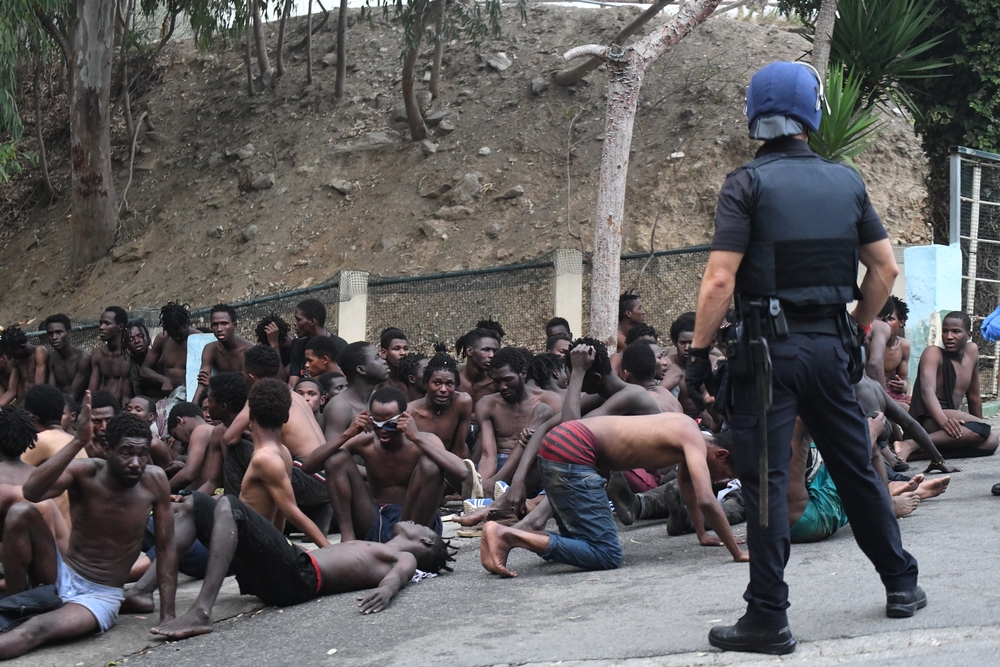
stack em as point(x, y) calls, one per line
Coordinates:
point(100, 600)
point(388, 516)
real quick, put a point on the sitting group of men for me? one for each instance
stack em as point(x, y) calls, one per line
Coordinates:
point(317, 436)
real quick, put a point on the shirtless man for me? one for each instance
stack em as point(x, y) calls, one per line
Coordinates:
point(406, 471)
point(393, 346)
point(69, 367)
point(896, 361)
point(187, 424)
point(444, 411)
point(111, 500)
point(109, 367)
point(630, 313)
point(226, 353)
point(506, 415)
point(477, 348)
point(282, 574)
point(333, 383)
point(411, 374)
point(576, 455)
point(166, 361)
point(266, 499)
point(638, 366)
point(29, 364)
point(299, 433)
point(364, 369)
point(944, 377)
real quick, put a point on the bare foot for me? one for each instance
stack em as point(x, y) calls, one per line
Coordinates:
point(493, 549)
point(195, 622)
point(897, 488)
point(905, 503)
point(933, 487)
point(476, 517)
point(905, 448)
point(137, 603)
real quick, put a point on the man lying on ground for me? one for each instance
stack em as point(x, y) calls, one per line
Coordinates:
point(575, 459)
point(110, 501)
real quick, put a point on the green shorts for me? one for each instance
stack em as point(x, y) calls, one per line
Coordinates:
point(824, 515)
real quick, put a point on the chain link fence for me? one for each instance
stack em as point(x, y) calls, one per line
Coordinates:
point(976, 223)
point(443, 306)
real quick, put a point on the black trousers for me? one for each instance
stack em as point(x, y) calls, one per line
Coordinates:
point(810, 380)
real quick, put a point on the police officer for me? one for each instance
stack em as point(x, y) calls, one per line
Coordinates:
point(790, 230)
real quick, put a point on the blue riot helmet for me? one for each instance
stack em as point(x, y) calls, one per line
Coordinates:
point(784, 98)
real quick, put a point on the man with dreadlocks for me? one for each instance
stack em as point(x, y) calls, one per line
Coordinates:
point(444, 411)
point(226, 353)
point(109, 366)
point(896, 361)
point(548, 372)
point(29, 364)
point(166, 361)
point(506, 415)
point(477, 348)
point(135, 343)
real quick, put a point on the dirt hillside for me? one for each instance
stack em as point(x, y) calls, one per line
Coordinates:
point(191, 234)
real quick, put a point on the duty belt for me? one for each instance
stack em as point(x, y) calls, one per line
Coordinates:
point(827, 325)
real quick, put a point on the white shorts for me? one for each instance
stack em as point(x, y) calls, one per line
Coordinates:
point(100, 600)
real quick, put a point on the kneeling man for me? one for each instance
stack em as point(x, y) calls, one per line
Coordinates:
point(576, 458)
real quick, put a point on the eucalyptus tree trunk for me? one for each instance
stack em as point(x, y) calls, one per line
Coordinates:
point(822, 35)
point(309, 44)
point(93, 215)
point(341, 50)
point(43, 159)
point(438, 9)
point(280, 55)
point(260, 40)
point(627, 66)
point(418, 131)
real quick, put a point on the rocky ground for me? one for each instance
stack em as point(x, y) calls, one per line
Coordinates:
point(509, 172)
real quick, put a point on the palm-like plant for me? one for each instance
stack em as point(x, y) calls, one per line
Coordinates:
point(884, 43)
point(849, 127)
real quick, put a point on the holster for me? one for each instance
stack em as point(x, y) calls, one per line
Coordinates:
point(853, 340)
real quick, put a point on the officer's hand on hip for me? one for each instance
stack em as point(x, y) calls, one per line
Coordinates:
point(697, 371)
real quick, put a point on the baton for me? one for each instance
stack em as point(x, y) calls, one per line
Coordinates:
point(761, 357)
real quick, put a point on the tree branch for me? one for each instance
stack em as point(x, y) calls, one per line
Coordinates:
point(587, 50)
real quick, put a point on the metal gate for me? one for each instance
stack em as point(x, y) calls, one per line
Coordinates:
point(975, 225)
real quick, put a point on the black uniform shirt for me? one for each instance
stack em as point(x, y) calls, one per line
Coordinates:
point(733, 214)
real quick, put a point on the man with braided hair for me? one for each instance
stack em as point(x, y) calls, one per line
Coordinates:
point(506, 416)
point(29, 364)
point(166, 361)
point(477, 348)
point(444, 411)
point(109, 368)
point(111, 499)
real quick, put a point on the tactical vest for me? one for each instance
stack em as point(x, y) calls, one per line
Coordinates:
point(803, 231)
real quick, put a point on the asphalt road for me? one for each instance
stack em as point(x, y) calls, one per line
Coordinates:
point(655, 610)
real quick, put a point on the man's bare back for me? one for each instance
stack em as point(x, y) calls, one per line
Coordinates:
point(255, 491)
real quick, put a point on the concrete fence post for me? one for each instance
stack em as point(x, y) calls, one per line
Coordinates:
point(567, 288)
point(933, 287)
point(352, 317)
